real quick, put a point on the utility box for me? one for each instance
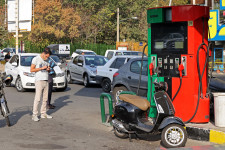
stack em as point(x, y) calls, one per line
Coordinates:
point(219, 109)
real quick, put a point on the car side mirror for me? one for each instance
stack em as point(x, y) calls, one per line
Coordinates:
point(14, 64)
point(80, 64)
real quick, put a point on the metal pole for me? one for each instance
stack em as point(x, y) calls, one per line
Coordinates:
point(33, 11)
point(5, 14)
point(17, 25)
point(212, 4)
point(118, 25)
point(206, 2)
point(170, 2)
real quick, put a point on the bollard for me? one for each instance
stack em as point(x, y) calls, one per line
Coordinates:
point(102, 103)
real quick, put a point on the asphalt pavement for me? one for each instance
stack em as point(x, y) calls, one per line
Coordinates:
point(76, 124)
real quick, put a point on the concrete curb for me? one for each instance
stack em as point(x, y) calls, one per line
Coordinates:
point(202, 134)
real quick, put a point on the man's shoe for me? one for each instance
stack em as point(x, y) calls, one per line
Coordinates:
point(46, 116)
point(51, 106)
point(35, 118)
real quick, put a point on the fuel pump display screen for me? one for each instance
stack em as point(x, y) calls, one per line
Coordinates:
point(169, 37)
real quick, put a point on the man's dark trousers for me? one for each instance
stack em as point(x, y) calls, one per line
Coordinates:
point(50, 87)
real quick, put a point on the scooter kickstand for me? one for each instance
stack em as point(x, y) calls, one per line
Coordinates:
point(130, 137)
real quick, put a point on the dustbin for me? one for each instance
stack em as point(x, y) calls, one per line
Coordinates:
point(219, 109)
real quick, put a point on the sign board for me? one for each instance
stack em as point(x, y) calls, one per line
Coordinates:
point(217, 31)
point(141, 44)
point(64, 48)
point(122, 48)
point(222, 4)
point(25, 15)
point(20, 35)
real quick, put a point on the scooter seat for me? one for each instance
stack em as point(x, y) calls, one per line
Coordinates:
point(138, 101)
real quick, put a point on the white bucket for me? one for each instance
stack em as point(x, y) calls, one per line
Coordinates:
point(219, 109)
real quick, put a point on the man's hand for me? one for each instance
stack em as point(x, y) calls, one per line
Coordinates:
point(48, 68)
point(44, 67)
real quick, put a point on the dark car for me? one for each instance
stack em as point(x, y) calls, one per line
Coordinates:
point(127, 78)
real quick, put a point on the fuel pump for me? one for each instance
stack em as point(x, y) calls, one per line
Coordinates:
point(178, 50)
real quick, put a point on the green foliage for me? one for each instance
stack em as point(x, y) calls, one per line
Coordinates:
point(97, 48)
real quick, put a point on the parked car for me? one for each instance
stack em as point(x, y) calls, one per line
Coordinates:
point(6, 50)
point(2, 57)
point(83, 68)
point(111, 53)
point(19, 67)
point(57, 60)
point(105, 73)
point(127, 78)
point(61, 50)
point(82, 52)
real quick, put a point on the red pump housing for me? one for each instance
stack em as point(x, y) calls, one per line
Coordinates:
point(192, 23)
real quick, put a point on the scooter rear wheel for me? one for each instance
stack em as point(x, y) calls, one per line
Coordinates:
point(174, 135)
point(120, 134)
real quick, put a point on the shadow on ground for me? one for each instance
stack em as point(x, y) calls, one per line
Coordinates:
point(59, 103)
point(18, 113)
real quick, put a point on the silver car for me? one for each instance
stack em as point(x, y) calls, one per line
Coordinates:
point(83, 68)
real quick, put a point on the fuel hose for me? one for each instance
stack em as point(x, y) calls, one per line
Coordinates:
point(201, 46)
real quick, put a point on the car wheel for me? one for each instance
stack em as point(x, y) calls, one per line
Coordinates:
point(68, 78)
point(106, 85)
point(86, 80)
point(117, 91)
point(19, 85)
point(174, 135)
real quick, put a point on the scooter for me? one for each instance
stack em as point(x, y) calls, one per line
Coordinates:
point(131, 117)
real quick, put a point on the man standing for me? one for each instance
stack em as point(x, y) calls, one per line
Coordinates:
point(7, 57)
point(51, 75)
point(40, 67)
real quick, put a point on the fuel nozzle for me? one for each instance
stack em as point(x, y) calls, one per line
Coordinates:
point(181, 68)
point(151, 67)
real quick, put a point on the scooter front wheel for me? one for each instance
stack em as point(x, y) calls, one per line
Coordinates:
point(120, 134)
point(174, 135)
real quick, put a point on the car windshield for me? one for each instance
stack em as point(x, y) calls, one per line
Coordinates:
point(26, 60)
point(133, 53)
point(89, 53)
point(95, 60)
point(55, 58)
point(8, 50)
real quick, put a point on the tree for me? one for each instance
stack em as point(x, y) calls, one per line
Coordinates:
point(3, 32)
point(54, 23)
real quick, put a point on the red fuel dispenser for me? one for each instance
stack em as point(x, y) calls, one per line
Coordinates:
point(179, 35)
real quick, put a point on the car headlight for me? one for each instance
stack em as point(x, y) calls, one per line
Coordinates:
point(29, 74)
point(93, 72)
point(60, 74)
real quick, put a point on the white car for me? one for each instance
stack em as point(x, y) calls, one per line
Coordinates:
point(111, 53)
point(19, 67)
point(6, 50)
point(82, 52)
point(105, 73)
